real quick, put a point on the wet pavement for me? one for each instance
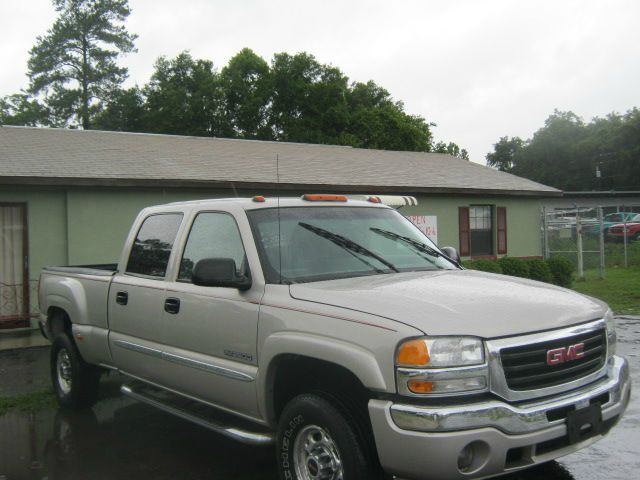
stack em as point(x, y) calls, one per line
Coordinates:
point(24, 370)
point(120, 439)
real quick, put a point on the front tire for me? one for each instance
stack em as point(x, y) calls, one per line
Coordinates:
point(317, 440)
point(75, 382)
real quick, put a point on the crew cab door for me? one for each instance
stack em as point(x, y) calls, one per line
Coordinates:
point(210, 333)
point(136, 299)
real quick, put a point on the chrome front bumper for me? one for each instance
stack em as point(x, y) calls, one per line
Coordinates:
point(425, 441)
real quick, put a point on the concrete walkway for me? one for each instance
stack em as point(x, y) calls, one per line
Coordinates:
point(21, 338)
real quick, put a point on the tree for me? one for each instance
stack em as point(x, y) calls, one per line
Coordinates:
point(309, 99)
point(123, 111)
point(246, 82)
point(566, 152)
point(451, 149)
point(19, 109)
point(73, 67)
point(185, 97)
point(504, 153)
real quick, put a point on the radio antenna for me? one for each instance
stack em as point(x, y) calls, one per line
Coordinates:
point(278, 210)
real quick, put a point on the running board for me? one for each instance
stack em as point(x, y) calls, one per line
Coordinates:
point(195, 412)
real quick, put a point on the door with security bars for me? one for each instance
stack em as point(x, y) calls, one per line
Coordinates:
point(14, 278)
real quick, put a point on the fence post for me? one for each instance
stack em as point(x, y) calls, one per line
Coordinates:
point(601, 242)
point(545, 233)
point(624, 236)
point(579, 241)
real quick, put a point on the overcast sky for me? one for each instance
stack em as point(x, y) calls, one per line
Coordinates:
point(480, 69)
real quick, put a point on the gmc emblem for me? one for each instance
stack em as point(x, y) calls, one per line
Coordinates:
point(565, 354)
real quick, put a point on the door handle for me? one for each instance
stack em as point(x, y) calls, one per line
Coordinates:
point(172, 305)
point(122, 298)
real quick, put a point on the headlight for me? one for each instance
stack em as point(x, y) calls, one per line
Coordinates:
point(612, 336)
point(439, 352)
point(441, 365)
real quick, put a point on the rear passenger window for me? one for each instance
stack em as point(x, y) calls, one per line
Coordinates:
point(152, 247)
point(213, 235)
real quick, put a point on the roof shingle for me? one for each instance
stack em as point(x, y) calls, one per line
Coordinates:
point(70, 155)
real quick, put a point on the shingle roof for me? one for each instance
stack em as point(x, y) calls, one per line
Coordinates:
point(42, 155)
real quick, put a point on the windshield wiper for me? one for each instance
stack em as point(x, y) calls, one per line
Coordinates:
point(421, 247)
point(350, 245)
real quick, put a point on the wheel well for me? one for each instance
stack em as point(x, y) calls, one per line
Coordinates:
point(59, 322)
point(293, 375)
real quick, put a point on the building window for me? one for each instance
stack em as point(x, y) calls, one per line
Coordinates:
point(481, 229)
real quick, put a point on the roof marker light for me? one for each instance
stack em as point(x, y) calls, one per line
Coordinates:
point(259, 198)
point(324, 198)
point(374, 199)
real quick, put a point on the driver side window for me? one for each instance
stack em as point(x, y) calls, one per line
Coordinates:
point(212, 235)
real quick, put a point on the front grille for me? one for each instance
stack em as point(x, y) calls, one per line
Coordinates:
point(525, 367)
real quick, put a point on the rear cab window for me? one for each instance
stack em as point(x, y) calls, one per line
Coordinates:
point(153, 244)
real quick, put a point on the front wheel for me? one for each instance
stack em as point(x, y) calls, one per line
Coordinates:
point(75, 382)
point(317, 440)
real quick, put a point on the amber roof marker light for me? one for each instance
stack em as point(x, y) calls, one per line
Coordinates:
point(315, 197)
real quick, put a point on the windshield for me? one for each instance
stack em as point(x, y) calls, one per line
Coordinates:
point(322, 243)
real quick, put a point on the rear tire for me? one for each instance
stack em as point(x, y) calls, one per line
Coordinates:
point(316, 439)
point(75, 382)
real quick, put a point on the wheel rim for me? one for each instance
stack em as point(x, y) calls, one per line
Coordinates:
point(316, 455)
point(63, 367)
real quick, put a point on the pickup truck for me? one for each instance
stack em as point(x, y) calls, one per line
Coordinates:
point(338, 331)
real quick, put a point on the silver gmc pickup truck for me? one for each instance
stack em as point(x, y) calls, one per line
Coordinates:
point(335, 329)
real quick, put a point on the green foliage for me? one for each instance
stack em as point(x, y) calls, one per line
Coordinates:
point(73, 67)
point(184, 97)
point(539, 270)
point(123, 110)
point(483, 265)
point(566, 152)
point(246, 82)
point(561, 270)
point(451, 149)
point(295, 98)
point(515, 267)
point(504, 153)
point(28, 403)
point(20, 109)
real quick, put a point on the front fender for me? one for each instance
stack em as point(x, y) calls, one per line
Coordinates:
point(359, 361)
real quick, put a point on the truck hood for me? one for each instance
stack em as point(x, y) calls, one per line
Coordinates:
point(457, 302)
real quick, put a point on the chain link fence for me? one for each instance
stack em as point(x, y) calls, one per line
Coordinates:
point(593, 238)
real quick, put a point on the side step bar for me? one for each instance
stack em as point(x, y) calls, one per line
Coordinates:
point(199, 414)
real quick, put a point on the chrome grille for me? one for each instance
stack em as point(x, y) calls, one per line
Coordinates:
point(525, 367)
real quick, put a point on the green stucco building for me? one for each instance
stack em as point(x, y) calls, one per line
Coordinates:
point(68, 197)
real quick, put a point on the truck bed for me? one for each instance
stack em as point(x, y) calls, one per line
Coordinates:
point(103, 269)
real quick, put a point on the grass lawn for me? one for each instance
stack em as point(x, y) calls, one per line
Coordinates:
point(620, 288)
point(28, 403)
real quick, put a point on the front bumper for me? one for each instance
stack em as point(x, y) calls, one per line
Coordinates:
point(425, 441)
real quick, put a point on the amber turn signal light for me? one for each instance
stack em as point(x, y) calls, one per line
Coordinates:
point(413, 353)
point(420, 386)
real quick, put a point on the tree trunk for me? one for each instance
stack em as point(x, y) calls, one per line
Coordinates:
point(84, 114)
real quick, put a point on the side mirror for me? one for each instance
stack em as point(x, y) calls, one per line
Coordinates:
point(452, 253)
point(219, 272)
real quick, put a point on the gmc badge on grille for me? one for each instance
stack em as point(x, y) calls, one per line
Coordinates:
point(565, 354)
